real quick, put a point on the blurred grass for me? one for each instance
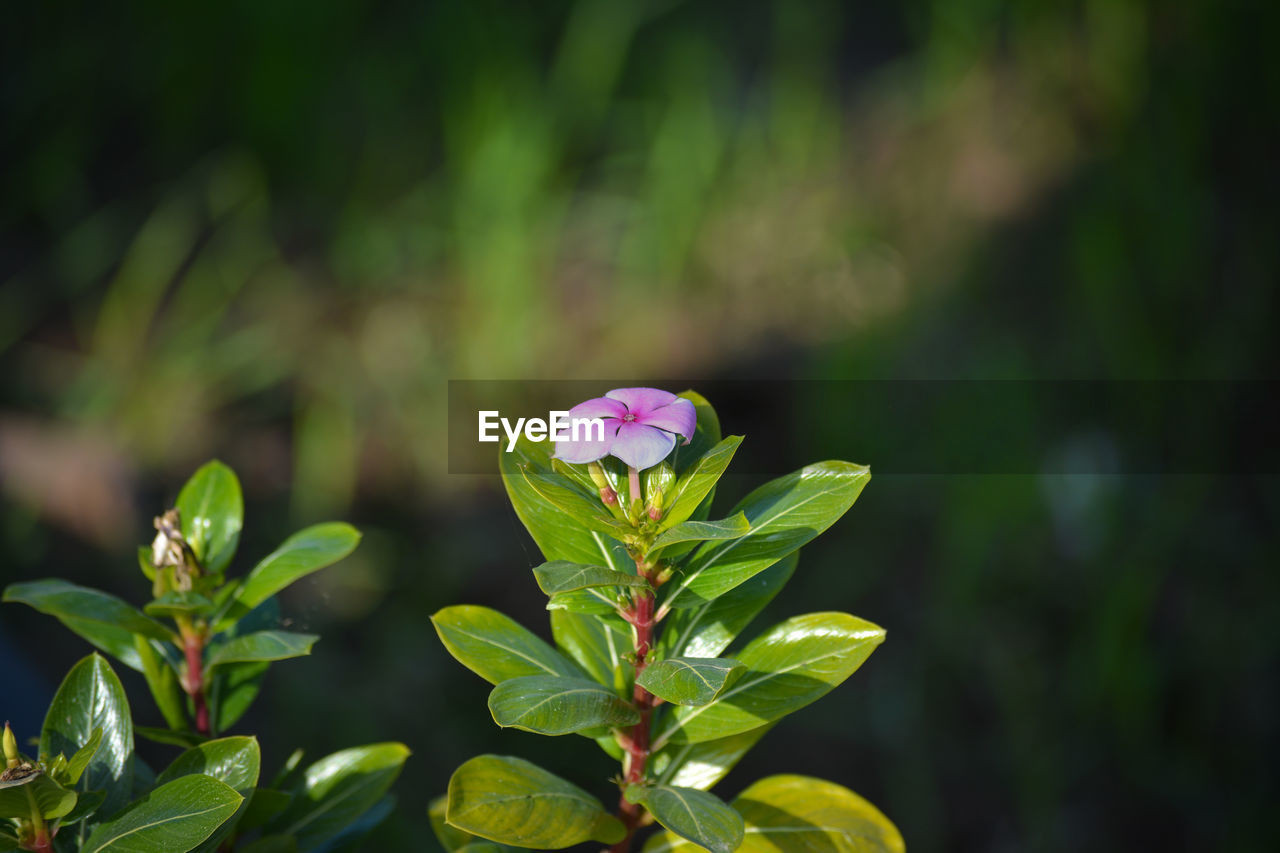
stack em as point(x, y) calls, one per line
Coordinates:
point(271, 231)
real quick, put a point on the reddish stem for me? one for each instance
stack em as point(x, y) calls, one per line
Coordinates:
point(194, 682)
point(42, 843)
point(637, 741)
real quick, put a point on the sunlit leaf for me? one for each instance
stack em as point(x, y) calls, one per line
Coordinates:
point(555, 705)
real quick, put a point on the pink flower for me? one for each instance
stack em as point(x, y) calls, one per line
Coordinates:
point(640, 427)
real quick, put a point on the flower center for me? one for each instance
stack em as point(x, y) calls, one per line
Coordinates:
point(628, 418)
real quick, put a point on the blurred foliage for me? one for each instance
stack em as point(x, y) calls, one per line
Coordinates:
point(269, 231)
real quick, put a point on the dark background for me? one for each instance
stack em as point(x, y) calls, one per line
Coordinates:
point(271, 232)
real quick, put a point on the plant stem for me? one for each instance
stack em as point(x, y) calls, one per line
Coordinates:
point(193, 647)
point(638, 740)
point(41, 843)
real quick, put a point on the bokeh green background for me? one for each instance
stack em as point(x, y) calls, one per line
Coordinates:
point(271, 231)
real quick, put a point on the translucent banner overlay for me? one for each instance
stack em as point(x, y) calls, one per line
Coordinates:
point(930, 427)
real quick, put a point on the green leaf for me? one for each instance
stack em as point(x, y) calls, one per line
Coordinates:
point(87, 805)
point(212, 512)
point(734, 527)
point(91, 704)
point(338, 789)
point(235, 761)
point(689, 681)
point(599, 643)
point(104, 620)
point(262, 646)
point(702, 765)
point(162, 680)
point(450, 839)
point(559, 576)
point(188, 604)
point(555, 705)
point(788, 667)
point(705, 436)
point(496, 647)
point(304, 552)
point(52, 799)
point(696, 815)
point(698, 482)
point(588, 511)
point(232, 690)
point(512, 801)
point(708, 629)
point(558, 537)
point(784, 514)
point(593, 600)
point(174, 818)
point(79, 761)
point(800, 814)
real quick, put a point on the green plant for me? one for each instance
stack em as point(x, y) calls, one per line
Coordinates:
point(203, 644)
point(645, 595)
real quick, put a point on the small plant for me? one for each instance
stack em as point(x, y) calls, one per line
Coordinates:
point(645, 595)
point(203, 643)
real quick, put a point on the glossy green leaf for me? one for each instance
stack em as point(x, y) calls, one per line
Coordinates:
point(702, 765)
point(592, 600)
point(187, 604)
point(556, 536)
point(232, 689)
point(52, 799)
point(586, 510)
point(87, 805)
point(175, 818)
point(306, 551)
point(708, 629)
point(694, 485)
point(701, 817)
point(555, 705)
point(79, 760)
point(90, 699)
point(496, 647)
point(104, 620)
point(784, 514)
point(734, 527)
point(512, 801)
point(705, 436)
point(338, 789)
point(212, 512)
point(800, 814)
point(599, 643)
point(163, 682)
point(235, 761)
point(262, 646)
point(560, 576)
point(791, 665)
point(690, 681)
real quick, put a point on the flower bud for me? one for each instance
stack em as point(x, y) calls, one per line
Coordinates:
point(657, 484)
point(598, 477)
point(11, 756)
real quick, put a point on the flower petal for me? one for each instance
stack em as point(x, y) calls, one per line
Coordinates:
point(587, 448)
point(600, 407)
point(642, 446)
point(642, 400)
point(680, 417)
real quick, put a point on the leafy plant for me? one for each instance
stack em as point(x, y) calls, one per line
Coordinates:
point(645, 596)
point(203, 643)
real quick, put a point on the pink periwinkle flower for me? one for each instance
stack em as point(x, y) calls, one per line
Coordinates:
point(640, 427)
